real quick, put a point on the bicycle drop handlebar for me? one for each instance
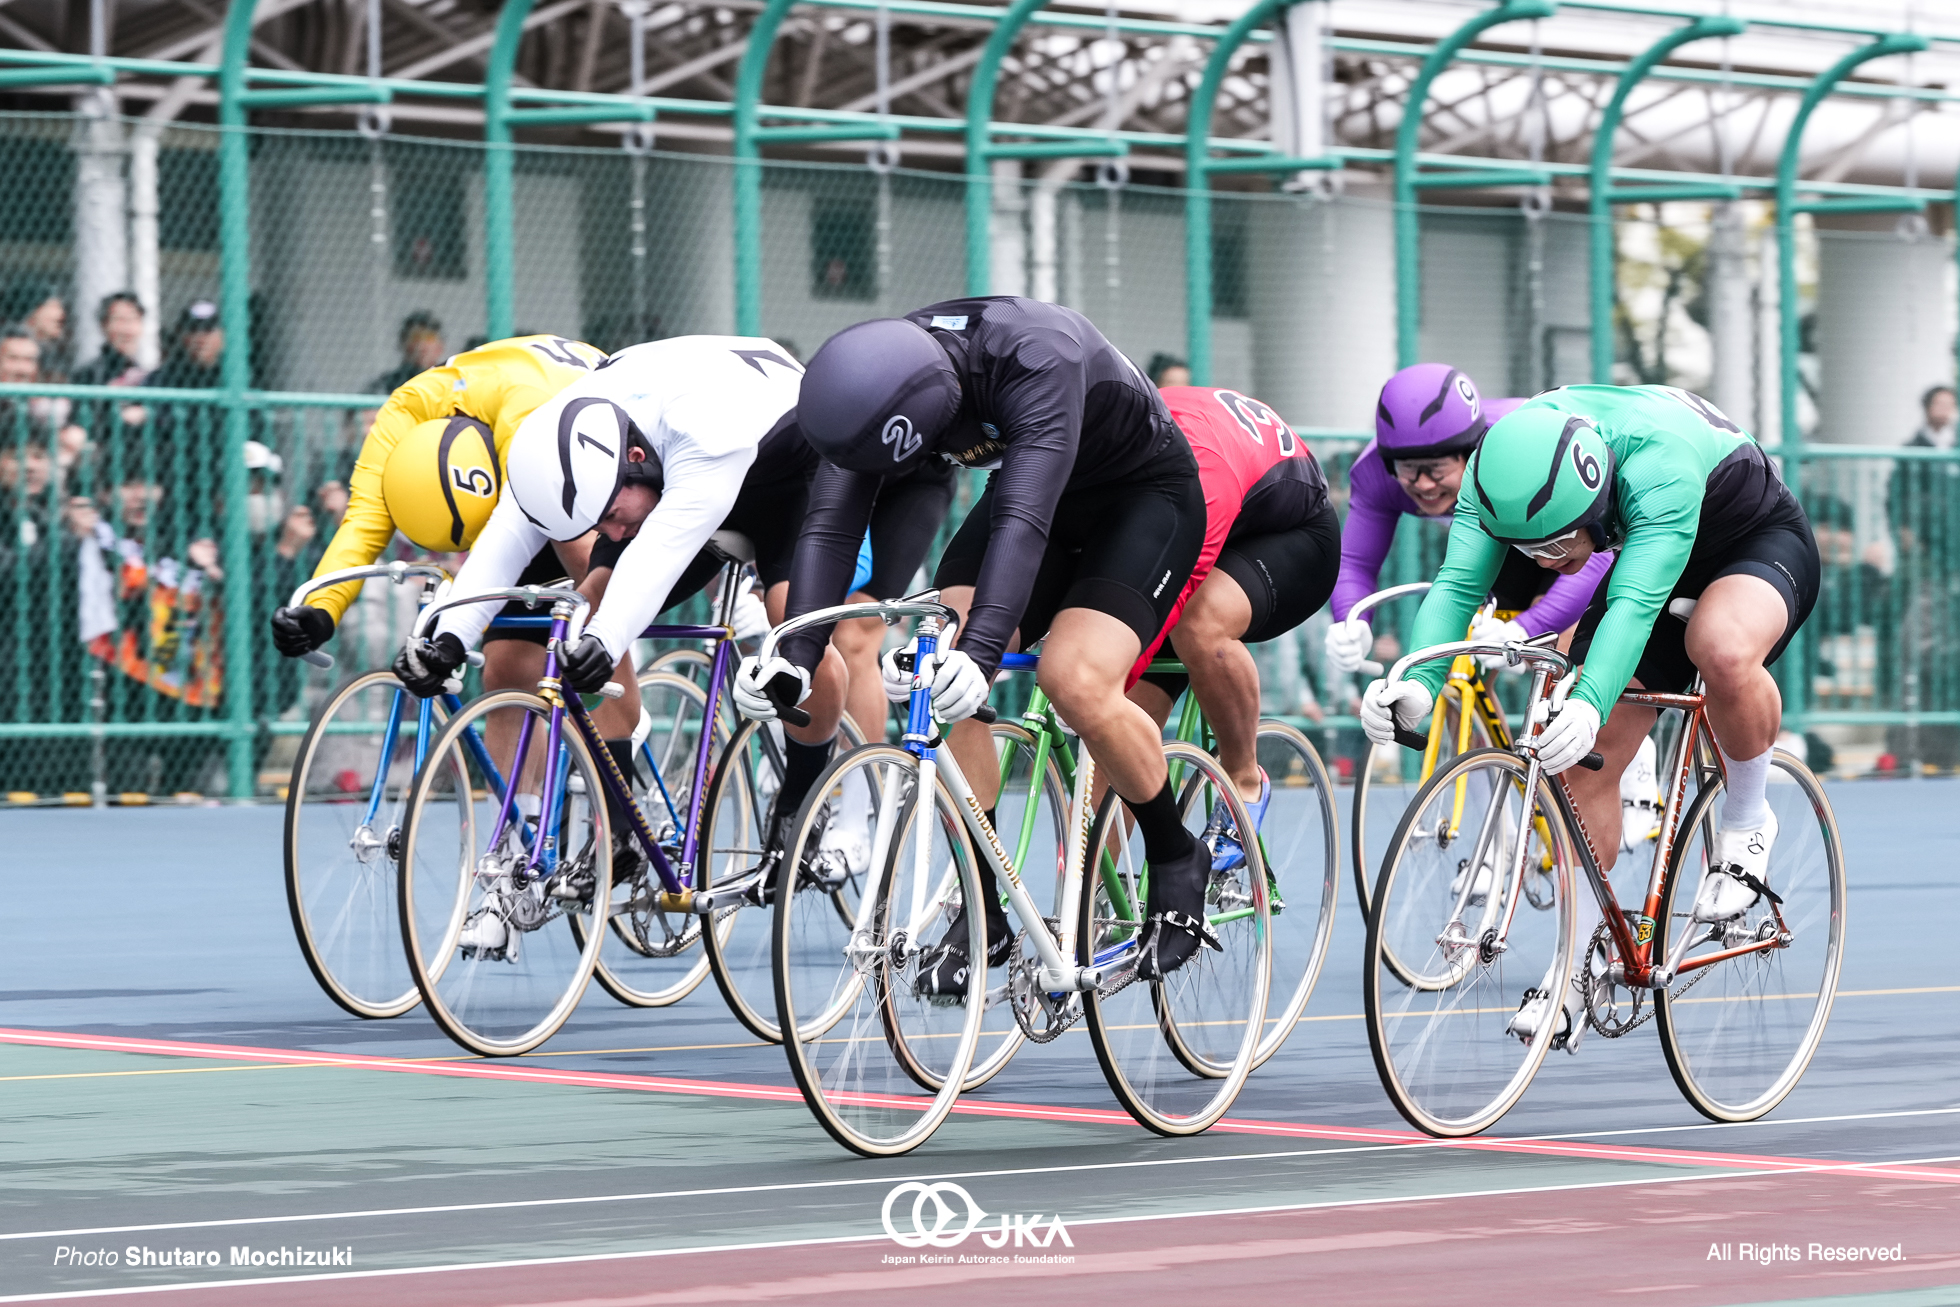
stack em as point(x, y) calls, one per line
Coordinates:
point(396, 572)
point(1538, 658)
point(890, 611)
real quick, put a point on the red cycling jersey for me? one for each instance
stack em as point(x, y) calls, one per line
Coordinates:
point(1258, 477)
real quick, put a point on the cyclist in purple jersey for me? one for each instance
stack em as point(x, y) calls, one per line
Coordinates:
point(1429, 418)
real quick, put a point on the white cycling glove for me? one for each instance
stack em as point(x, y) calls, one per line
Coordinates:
point(752, 682)
point(1570, 734)
point(959, 687)
point(1385, 706)
point(1486, 629)
point(751, 618)
point(898, 681)
point(1348, 644)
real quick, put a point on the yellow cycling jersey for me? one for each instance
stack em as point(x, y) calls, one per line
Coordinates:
point(498, 384)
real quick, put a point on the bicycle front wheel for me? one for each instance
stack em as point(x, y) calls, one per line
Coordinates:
point(1452, 953)
point(1176, 1051)
point(1750, 997)
point(1387, 783)
point(481, 902)
point(1300, 842)
point(653, 958)
point(862, 1036)
point(734, 854)
point(343, 838)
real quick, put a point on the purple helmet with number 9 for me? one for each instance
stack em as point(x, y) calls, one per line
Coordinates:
point(1427, 410)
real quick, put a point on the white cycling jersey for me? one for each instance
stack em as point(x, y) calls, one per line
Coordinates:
point(703, 404)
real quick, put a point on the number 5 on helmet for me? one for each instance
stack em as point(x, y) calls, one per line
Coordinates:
point(441, 481)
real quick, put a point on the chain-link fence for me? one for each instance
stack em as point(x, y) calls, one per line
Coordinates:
point(117, 605)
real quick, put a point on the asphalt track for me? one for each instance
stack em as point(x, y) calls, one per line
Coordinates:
point(173, 1080)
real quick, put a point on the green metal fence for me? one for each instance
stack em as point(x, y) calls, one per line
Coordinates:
point(144, 533)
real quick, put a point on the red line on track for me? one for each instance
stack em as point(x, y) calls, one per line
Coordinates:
point(515, 1071)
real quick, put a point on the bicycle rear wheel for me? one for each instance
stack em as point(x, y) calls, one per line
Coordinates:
point(1301, 845)
point(1739, 1032)
point(653, 958)
point(1175, 1051)
point(1442, 977)
point(498, 969)
point(1386, 786)
point(358, 755)
point(730, 854)
point(860, 1037)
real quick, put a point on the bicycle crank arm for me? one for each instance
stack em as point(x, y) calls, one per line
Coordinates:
point(1077, 979)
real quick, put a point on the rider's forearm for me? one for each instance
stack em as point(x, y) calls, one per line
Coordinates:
point(1365, 539)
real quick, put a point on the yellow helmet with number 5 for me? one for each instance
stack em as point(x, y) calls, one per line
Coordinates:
point(441, 481)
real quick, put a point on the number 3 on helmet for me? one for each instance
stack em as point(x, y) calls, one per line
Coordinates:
point(441, 481)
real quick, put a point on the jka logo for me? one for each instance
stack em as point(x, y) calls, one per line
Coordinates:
point(930, 1221)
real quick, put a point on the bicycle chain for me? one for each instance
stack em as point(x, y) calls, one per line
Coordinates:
point(1602, 937)
point(1023, 997)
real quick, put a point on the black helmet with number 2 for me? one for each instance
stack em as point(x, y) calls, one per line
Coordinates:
point(878, 396)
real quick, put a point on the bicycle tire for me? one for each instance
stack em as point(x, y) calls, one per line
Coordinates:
point(856, 1028)
point(1455, 1069)
point(1376, 799)
point(509, 1000)
point(344, 916)
point(1302, 852)
point(1175, 1051)
point(1707, 1017)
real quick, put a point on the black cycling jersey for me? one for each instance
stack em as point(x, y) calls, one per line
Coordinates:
point(1047, 400)
point(1291, 491)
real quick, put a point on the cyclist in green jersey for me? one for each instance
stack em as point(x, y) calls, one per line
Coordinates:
point(1696, 511)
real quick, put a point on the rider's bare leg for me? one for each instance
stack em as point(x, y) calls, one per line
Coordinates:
point(1223, 675)
point(1736, 622)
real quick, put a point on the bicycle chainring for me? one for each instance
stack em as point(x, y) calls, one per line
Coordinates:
point(1041, 1016)
point(1612, 1009)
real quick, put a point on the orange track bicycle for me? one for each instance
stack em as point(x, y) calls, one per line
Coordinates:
point(1469, 925)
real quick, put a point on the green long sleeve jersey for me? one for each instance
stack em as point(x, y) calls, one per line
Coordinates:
point(1666, 442)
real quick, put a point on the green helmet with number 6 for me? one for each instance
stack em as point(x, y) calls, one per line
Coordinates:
point(1540, 474)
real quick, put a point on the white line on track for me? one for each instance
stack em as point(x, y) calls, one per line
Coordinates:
point(1821, 1168)
point(1793, 1166)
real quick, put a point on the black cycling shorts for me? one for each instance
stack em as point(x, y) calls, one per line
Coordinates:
point(771, 516)
point(1520, 582)
point(1125, 549)
point(904, 521)
point(1779, 548)
point(1288, 575)
point(543, 569)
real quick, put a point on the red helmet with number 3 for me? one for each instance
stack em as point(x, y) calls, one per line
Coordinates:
point(441, 481)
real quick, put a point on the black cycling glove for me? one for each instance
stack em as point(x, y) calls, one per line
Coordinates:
point(586, 665)
point(301, 630)
point(428, 667)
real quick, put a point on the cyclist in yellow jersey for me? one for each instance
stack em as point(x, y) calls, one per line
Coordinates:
point(427, 469)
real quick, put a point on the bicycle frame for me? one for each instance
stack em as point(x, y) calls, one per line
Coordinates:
point(563, 624)
point(923, 740)
point(1694, 753)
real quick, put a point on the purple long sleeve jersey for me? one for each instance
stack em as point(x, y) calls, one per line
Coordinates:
point(1376, 502)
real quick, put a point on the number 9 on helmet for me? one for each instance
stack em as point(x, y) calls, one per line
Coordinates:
point(441, 481)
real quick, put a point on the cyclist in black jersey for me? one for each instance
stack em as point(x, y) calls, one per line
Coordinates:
point(1091, 524)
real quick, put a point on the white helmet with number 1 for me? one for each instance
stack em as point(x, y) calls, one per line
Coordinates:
point(568, 462)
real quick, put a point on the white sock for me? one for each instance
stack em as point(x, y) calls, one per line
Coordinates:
point(1746, 804)
point(529, 805)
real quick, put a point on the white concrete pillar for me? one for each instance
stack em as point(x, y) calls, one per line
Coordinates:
point(101, 230)
point(1298, 94)
point(1769, 340)
point(1322, 304)
point(144, 276)
point(1881, 333)
point(1009, 230)
point(1731, 316)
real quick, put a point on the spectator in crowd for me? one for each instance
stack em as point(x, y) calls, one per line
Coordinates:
point(1941, 409)
point(422, 348)
point(196, 357)
point(40, 417)
point(36, 306)
point(1168, 370)
point(121, 318)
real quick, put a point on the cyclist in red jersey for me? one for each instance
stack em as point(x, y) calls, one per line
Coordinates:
point(1271, 554)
